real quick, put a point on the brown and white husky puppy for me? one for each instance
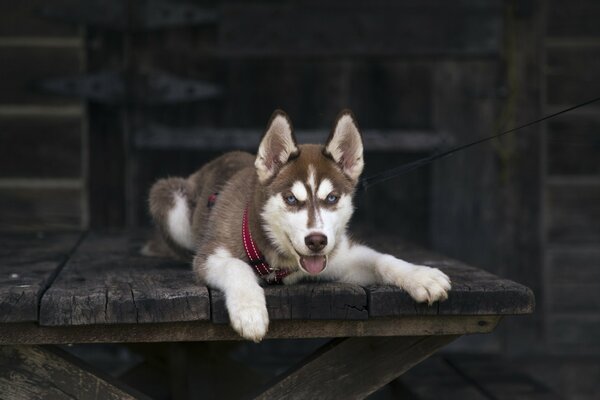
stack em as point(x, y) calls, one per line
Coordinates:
point(293, 202)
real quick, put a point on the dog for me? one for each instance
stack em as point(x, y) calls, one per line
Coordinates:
point(277, 218)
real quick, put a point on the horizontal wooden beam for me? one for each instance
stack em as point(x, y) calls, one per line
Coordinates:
point(163, 137)
point(31, 333)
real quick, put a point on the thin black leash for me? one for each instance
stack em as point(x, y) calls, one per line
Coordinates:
point(380, 177)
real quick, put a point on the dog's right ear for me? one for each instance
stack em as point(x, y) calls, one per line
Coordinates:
point(276, 147)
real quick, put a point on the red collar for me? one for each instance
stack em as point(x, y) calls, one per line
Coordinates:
point(257, 261)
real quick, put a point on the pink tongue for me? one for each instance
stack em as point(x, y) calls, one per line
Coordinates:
point(313, 264)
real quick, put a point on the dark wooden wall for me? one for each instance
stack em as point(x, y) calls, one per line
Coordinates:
point(420, 76)
point(42, 175)
point(571, 201)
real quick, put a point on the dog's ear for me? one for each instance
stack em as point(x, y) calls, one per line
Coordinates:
point(276, 147)
point(345, 145)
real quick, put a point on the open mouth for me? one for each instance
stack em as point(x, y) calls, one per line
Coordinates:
point(313, 264)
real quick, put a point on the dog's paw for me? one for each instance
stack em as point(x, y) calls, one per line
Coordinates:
point(426, 284)
point(248, 316)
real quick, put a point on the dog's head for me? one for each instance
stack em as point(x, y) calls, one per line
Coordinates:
point(308, 188)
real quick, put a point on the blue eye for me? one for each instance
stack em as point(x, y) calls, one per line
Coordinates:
point(291, 199)
point(332, 198)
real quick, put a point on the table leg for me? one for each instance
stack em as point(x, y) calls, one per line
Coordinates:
point(28, 372)
point(352, 368)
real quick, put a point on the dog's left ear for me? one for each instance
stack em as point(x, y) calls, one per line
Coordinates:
point(345, 145)
point(276, 147)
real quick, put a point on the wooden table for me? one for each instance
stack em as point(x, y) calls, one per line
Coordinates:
point(60, 288)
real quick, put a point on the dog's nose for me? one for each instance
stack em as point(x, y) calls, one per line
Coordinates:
point(316, 241)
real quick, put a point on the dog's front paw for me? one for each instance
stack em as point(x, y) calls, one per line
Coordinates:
point(426, 284)
point(248, 315)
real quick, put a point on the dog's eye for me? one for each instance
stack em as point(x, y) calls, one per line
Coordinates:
point(332, 198)
point(290, 199)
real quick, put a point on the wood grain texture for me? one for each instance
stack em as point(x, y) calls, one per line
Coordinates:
point(357, 29)
point(31, 372)
point(107, 281)
point(354, 367)
point(28, 263)
point(330, 301)
point(30, 333)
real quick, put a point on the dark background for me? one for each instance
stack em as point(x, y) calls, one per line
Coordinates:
point(99, 98)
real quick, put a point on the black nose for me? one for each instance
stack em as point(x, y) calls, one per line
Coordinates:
point(316, 241)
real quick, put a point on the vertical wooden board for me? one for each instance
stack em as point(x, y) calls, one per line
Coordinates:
point(573, 19)
point(399, 207)
point(40, 147)
point(304, 301)
point(573, 212)
point(574, 334)
point(22, 68)
point(24, 18)
point(390, 94)
point(573, 264)
point(28, 264)
point(28, 372)
point(571, 76)
point(574, 298)
point(384, 94)
point(574, 146)
point(40, 209)
point(107, 281)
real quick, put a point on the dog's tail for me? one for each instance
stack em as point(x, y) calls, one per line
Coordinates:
point(171, 207)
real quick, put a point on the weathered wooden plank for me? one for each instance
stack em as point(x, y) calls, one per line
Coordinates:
point(25, 19)
point(30, 333)
point(28, 263)
point(474, 291)
point(40, 208)
point(466, 28)
point(28, 372)
point(573, 212)
point(22, 67)
point(107, 281)
point(354, 367)
point(40, 147)
point(168, 138)
point(574, 146)
point(434, 377)
point(574, 19)
point(331, 301)
point(500, 380)
point(571, 78)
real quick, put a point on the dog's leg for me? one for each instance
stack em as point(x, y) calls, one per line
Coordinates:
point(364, 266)
point(244, 298)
